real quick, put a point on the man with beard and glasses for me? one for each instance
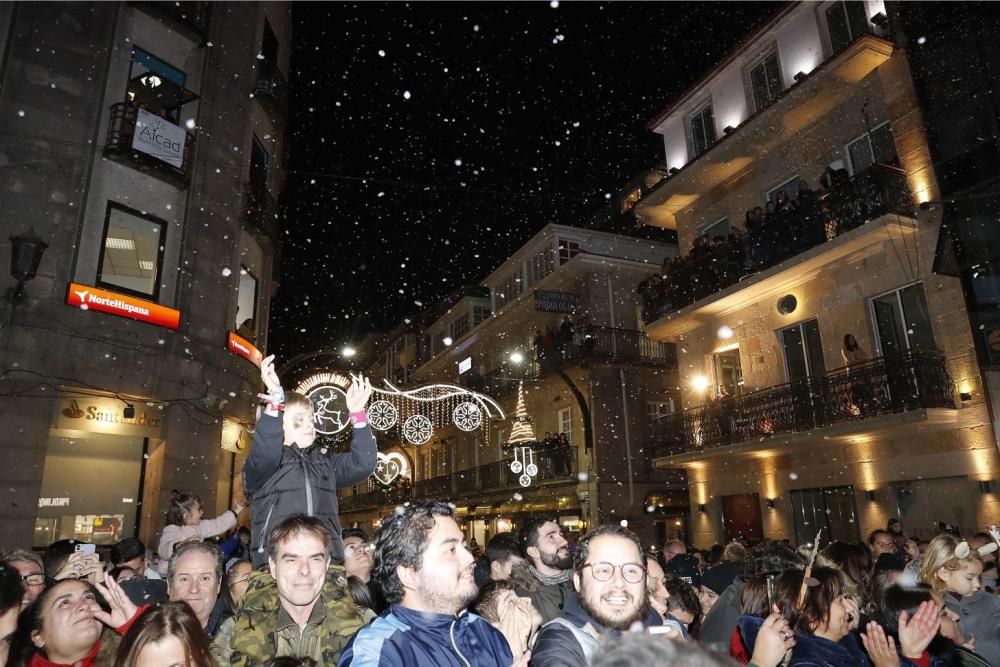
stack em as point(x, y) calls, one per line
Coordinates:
point(425, 572)
point(610, 579)
point(545, 576)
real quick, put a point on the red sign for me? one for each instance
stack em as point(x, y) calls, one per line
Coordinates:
point(114, 303)
point(244, 348)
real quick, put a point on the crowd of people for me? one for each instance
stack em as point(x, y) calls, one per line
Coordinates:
point(787, 225)
point(299, 590)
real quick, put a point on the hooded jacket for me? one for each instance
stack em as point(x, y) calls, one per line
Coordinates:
point(405, 637)
point(284, 481)
point(718, 625)
point(571, 639)
point(261, 629)
point(549, 599)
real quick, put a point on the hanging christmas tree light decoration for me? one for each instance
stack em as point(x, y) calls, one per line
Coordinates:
point(522, 433)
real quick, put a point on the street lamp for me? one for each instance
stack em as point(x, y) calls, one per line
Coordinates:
point(25, 255)
point(699, 383)
point(348, 352)
point(516, 357)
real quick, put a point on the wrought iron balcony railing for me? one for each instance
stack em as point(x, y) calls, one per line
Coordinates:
point(587, 344)
point(557, 464)
point(816, 219)
point(883, 386)
point(271, 89)
point(119, 147)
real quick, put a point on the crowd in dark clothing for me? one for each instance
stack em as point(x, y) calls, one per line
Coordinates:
point(785, 226)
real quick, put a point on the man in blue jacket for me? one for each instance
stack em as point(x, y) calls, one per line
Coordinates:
point(286, 474)
point(426, 574)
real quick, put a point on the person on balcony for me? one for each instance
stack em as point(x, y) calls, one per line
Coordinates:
point(855, 355)
point(852, 352)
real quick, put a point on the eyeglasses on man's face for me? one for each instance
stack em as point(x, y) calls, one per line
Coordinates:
point(632, 573)
point(33, 579)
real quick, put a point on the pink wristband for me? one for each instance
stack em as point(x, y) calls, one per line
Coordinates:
point(359, 417)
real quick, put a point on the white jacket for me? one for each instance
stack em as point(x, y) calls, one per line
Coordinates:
point(205, 528)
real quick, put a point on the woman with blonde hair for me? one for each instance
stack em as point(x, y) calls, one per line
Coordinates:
point(168, 635)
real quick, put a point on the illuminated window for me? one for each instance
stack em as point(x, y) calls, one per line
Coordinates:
point(132, 252)
point(765, 81)
point(565, 420)
point(246, 305)
point(702, 130)
point(846, 20)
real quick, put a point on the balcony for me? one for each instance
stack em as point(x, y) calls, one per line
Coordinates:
point(798, 107)
point(591, 344)
point(784, 252)
point(882, 396)
point(260, 209)
point(376, 498)
point(554, 466)
point(190, 18)
point(271, 90)
point(172, 163)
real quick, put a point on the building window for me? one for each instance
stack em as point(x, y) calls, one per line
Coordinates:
point(132, 255)
point(765, 81)
point(246, 305)
point(789, 187)
point(657, 409)
point(258, 170)
point(830, 509)
point(567, 250)
point(564, 418)
point(460, 326)
point(719, 228)
point(803, 350)
point(875, 148)
point(539, 266)
point(480, 314)
point(702, 130)
point(846, 20)
point(902, 321)
point(508, 290)
point(156, 86)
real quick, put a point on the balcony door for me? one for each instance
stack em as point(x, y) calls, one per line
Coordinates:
point(902, 321)
point(803, 350)
point(728, 372)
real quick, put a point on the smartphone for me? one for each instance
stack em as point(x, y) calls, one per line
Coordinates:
point(770, 593)
point(86, 549)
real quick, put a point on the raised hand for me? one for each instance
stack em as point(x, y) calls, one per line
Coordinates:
point(358, 393)
point(269, 376)
point(916, 633)
point(774, 640)
point(880, 647)
point(122, 609)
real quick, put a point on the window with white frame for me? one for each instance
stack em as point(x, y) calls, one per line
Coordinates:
point(564, 419)
point(567, 250)
point(658, 409)
point(871, 148)
point(460, 326)
point(508, 290)
point(479, 314)
point(846, 20)
point(765, 81)
point(702, 130)
point(902, 321)
point(539, 266)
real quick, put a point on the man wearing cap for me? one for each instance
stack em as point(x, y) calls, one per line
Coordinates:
point(714, 582)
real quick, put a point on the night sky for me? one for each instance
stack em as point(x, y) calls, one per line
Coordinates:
point(429, 141)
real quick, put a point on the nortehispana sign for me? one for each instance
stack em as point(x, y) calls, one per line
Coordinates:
point(159, 138)
point(241, 346)
point(123, 305)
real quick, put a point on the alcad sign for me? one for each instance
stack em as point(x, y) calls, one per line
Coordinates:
point(159, 137)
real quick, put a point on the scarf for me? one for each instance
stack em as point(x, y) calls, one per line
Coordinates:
point(550, 579)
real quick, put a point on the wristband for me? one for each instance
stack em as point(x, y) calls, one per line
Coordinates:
point(359, 417)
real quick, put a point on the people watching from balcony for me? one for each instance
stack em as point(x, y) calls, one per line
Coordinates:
point(546, 576)
point(790, 223)
point(852, 352)
point(609, 578)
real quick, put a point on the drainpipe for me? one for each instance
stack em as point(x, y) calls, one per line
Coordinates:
point(628, 440)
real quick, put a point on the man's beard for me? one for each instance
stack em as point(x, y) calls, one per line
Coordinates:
point(624, 623)
point(554, 560)
point(450, 601)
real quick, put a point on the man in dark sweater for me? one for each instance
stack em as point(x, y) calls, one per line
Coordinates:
point(286, 474)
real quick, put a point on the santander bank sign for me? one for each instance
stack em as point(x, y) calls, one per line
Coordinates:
point(123, 305)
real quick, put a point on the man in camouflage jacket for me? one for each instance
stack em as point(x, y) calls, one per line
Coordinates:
point(302, 607)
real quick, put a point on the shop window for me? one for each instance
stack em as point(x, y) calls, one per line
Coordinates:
point(830, 509)
point(702, 130)
point(246, 305)
point(132, 252)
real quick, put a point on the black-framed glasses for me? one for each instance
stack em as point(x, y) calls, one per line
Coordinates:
point(633, 573)
point(33, 579)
